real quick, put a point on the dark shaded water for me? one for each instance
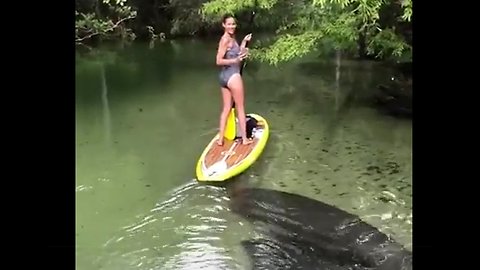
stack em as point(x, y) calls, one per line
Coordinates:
point(145, 114)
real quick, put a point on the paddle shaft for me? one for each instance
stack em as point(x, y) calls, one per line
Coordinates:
point(246, 46)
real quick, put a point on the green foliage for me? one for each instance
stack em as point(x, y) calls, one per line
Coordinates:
point(324, 3)
point(88, 25)
point(186, 19)
point(340, 28)
point(407, 10)
point(312, 24)
point(213, 10)
point(378, 28)
point(386, 42)
point(288, 47)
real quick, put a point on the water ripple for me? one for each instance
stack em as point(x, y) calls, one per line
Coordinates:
point(190, 226)
point(83, 188)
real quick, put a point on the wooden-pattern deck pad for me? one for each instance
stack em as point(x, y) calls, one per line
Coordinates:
point(219, 163)
point(233, 151)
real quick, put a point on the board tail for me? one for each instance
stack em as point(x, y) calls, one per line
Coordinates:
point(230, 127)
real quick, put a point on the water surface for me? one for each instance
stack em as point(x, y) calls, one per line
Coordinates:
point(144, 115)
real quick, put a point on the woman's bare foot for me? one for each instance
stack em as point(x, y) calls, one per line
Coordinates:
point(220, 142)
point(246, 141)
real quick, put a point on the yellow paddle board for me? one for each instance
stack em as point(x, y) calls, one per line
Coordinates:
point(219, 163)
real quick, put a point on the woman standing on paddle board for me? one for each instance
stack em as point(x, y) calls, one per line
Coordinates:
point(230, 56)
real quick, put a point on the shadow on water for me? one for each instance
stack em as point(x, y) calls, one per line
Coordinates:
point(195, 221)
point(297, 232)
point(302, 233)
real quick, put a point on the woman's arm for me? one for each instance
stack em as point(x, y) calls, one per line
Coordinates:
point(246, 39)
point(243, 45)
point(222, 48)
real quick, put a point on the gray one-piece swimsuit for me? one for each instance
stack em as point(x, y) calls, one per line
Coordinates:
point(228, 70)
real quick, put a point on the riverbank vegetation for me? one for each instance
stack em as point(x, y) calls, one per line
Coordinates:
point(375, 29)
point(379, 30)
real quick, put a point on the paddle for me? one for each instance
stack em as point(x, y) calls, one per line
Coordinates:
point(230, 127)
point(246, 43)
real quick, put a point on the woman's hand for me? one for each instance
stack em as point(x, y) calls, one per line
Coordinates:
point(248, 37)
point(242, 55)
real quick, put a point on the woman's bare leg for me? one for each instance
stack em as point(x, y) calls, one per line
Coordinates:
point(227, 105)
point(236, 86)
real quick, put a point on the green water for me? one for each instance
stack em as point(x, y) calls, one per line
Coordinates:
point(144, 115)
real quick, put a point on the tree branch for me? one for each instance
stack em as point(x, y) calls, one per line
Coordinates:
point(108, 30)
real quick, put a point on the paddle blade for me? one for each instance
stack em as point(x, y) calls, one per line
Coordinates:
point(230, 128)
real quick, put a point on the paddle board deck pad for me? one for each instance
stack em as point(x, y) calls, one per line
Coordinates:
point(219, 163)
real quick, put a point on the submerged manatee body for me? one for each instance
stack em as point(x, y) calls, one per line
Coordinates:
point(302, 233)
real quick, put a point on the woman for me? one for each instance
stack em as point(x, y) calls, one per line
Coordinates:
point(230, 56)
